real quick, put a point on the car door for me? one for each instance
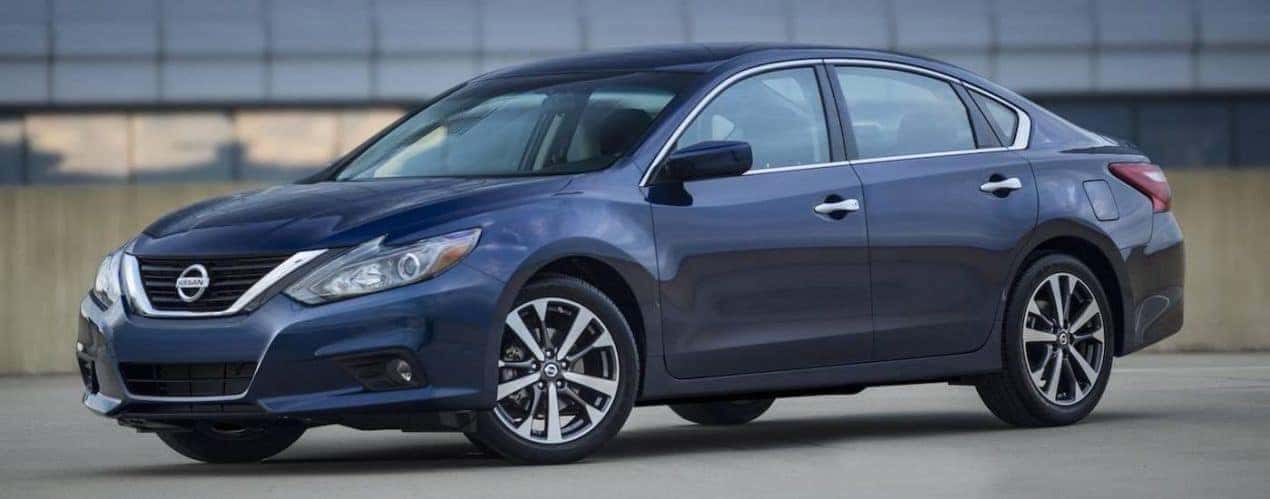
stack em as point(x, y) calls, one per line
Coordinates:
point(752, 278)
point(948, 208)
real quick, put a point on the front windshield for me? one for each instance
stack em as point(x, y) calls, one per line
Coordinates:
point(539, 125)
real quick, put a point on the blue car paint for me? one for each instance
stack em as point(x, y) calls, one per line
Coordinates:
point(294, 344)
point(752, 280)
point(296, 217)
point(937, 246)
point(690, 254)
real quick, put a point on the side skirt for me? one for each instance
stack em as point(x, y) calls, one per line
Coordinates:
point(661, 387)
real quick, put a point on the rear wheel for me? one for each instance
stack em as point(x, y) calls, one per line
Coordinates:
point(727, 412)
point(1058, 347)
point(567, 373)
point(233, 443)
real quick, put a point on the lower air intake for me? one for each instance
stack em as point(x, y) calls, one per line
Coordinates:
point(188, 380)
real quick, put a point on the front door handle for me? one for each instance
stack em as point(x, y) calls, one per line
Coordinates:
point(834, 207)
point(1007, 185)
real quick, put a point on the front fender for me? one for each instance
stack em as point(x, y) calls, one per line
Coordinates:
point(615, 230)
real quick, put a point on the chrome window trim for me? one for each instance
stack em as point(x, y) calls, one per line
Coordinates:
point(885, 159)
point(1022, 137)
point(794, 168)
point(136, 294)
point(894, 65)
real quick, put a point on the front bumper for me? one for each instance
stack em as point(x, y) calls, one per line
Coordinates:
point(443, 326)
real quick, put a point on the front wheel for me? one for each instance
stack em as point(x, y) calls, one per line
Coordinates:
point(568, 372)
point(1058, 346)
point(232, 443)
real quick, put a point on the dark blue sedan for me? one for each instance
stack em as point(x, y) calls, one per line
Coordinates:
point(709, 227)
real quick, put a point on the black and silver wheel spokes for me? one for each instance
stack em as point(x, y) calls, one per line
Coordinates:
point(557, 371)
point(1063, 339)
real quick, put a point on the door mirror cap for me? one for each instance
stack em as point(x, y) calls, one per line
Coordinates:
point(710, 159)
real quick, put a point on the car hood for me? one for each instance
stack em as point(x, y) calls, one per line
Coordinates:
point(290, 218)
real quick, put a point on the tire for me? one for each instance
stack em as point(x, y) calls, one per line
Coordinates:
point(1060, 392)
point(211, 443)
point(579, 431)
point(480, 446)
point(723, 413)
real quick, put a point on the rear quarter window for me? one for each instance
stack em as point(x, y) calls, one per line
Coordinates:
point(1004, 120)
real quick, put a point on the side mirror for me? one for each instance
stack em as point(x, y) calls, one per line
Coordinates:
point(710, 159)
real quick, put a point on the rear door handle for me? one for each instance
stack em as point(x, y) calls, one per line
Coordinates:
point(844, 205)
point(1009, 184)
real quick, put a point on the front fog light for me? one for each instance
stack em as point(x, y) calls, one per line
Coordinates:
point(391, 370)
point(400, 371)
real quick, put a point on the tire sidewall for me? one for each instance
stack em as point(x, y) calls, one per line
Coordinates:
point(1015, 360)
point(494, 434)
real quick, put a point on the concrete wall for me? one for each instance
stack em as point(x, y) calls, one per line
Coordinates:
point(56, 238)
point(1224, 214)
point(59, 234)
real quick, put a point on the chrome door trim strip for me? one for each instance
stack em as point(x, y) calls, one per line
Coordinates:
point(136, 294)
point(794, 168)
point(884, 159)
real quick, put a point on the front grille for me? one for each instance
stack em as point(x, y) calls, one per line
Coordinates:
point(228, 279)
point(188, 380)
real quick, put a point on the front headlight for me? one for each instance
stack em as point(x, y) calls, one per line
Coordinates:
point(106, 285)
point(374, 267)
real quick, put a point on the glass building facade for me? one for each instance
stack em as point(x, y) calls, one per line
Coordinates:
point(143, 91)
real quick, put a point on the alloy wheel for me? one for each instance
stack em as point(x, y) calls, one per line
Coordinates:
point(1063, 339)
point(557, 371)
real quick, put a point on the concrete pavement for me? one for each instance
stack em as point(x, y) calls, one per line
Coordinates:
point(1169, 426)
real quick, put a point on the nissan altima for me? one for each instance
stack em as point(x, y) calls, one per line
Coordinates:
point(709, 227)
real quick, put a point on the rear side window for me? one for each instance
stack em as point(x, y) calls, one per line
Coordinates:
point(778, 113)
point(1004, 120)
point(898, 113)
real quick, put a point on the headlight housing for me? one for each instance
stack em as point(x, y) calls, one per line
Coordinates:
point(373, 267)
point(106, 289)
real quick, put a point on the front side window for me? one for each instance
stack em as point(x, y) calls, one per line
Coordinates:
point(537, 125)
point(898, 113)
point(778, 113)
point(1004, 120)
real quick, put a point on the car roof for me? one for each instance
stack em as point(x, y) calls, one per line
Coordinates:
point(694, 57)
point(707, 57)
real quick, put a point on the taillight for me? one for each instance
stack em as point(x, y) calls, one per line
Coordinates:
point(1147, 178)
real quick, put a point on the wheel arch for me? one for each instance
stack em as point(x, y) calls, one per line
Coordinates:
point(619, 276)
point(609, 281)
point(1095, 250)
